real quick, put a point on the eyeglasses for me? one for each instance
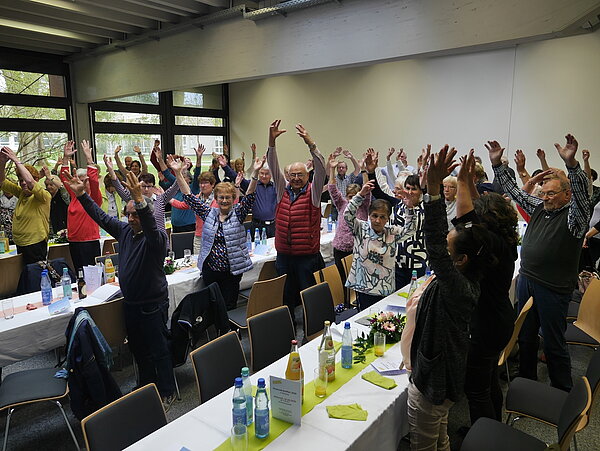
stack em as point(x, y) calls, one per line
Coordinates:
point(146, 186)
point(297, 175)
point(550, 194)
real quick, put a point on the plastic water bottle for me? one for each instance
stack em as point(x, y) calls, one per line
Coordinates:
point(261, 411)
point(329, 224)
point(46, 288)
point(413, 284)
point(263, 236)
point(249, 241)
point(65, 281)
point(347, 347)
point(247, 385)
point(239, 403)
point(256, 238)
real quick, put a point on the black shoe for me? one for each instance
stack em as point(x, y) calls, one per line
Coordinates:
point(168, 401)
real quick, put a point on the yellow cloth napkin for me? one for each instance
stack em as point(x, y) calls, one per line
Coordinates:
point(349, 412)
point(375, 378)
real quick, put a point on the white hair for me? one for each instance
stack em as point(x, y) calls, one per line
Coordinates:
point(81, 172)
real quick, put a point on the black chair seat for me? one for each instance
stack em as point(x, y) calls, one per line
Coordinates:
point(575, 335)
point(490, 435)
point(238, 317)
point(573, 309)
point(532, 399)
point(31, 386)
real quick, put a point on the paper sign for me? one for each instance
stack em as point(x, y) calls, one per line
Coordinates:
point(396, 308)
point(286, 399)
point(388, 367)
point(59, 306)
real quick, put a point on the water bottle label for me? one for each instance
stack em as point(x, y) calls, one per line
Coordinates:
point(67, 289)
point(261, 426)
point(249, 409)
point(346, 356)
point(239, 416)
point(46, 297)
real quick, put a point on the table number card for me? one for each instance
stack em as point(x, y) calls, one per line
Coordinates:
point(286, 400)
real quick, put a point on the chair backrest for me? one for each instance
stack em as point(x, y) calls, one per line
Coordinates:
point(10, 268)
point(61, 251)
point(270, 336)
point(513, 339)
point(327, 210)
point(350, 293)
point(317, 306)
point(107, 247)
point(214, 373)
point(575, 408)
point(124, 421)
point(110, 319)
point(265, 295)
point(268, 271)
point(114, 258)
point(588, 318)
point(331, 275)
point(181, 241)
point(593, 376)
point(115, 247)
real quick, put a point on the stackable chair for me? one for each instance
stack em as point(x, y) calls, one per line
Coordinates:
point(181, 241)
point(270, 334)
point(317, 307)
point(505, 354)
point(585, 331)
point(331, 275)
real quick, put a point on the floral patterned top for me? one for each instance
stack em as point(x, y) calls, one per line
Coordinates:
point(343, 240)
point(373, 265)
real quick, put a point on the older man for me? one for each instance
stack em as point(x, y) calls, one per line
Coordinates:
point(342, 178)
point(549, 258)
point(298, 217)
point(142, 251)
point(263, 211)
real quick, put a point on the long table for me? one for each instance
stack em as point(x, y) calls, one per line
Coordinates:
point(208, 425)
point(33, 332)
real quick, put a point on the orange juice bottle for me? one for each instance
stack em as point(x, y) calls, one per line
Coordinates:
point(294, 369)
point(327, 353)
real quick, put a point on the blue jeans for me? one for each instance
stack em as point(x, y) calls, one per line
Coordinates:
point(549, 312)
point(148, 340)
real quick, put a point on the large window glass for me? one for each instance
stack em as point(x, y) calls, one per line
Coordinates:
point(31, 83)
point(210, 97)
point(185, 145)
point(197, 121)
point(36, 148)
point(32, 112)
point(148, 98)
point(132, 118)
point(106, 143)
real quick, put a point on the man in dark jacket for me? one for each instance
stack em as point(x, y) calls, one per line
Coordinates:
point(143, 248)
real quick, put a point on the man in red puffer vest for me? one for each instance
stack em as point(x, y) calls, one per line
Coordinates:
point(297, 217)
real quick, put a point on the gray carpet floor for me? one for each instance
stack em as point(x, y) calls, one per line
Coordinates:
point(41, 426)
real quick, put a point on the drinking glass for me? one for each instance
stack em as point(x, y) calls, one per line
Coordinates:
point(171, 255)
point(8, 308)
point(187, 256)
point(379, 344)
point(239, 437)
point(320, 382)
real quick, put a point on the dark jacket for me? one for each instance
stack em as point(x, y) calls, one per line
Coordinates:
point(194, 314)
point(91, 386)
point(441, 339)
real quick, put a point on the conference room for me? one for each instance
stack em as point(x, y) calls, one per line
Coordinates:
point(204, 80)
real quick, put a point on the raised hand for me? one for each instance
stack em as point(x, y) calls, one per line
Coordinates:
point(274, 132)
point(520, 160)
point(401, 156)
point(253, 149)
point(440, 165)
point(134, 187)
point(76, 185)
point(466, 173)
point(46, 172)
point(568, 152)
point(222, 159)
point(225, 149)
point(117, 150)
point(303, 133)
point(259, 163)
point(338, 152)
point(541, 176)
point(371, 160)
point(391, 152)
point(10, 154)
point(495, 152)
point(244, 156)
point(541, 154)
point(309, 164)
point(109, 164)
point(239, 178)
point(200, 150)
point(137, 149)
point(585, 154)
point(69, 149)
point(87, 150)
point(367, 188)
point(157, 151)
point(174, 163)
point(331, 161)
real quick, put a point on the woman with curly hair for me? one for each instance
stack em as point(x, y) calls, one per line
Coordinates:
point(492, 322)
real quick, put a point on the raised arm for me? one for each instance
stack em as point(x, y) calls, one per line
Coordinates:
point(521, 171)
point(585, 155)
point(21, 169)
point(273, 161)
point(464, 180)
point(542, 157)
point(140, 155)
point(258, 164)
point(349, 155)
point(253, 159)
point(318, 163)
point(122, 168)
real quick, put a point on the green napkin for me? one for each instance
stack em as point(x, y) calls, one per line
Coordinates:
point(375, 378)
point(349, 412)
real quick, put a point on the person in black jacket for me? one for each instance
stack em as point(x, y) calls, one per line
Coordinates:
point(142, 251)
point(441, 337)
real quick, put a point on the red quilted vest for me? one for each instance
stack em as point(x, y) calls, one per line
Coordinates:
point(297, 225)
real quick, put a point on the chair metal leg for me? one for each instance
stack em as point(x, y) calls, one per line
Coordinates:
point(507, 371)
point(176, 386)
point(575, 442)
point(508, 418)
point(10, 411)
point(515, 419)
point(68, 424)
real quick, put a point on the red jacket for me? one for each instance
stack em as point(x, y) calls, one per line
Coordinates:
point(80, 227)
point(297, 225)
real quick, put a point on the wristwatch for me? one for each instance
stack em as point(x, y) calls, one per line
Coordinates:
point(427, 198)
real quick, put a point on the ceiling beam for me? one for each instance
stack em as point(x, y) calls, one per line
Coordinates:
point(37, 46)
point(180, 7)
point(123, 7)
point(34, 36)
point(51, 32)
point(91, 11)
point(61, 24)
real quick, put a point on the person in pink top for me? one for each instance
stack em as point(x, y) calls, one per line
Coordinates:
point(82, 231)
point(343, 242)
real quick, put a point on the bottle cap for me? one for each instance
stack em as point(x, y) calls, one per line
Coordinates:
point(261, 383)
point(238, 382)
point(347, 325)
point(294, 342)
point(327, 323)
point(245, 371)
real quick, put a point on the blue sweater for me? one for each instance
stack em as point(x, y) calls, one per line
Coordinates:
point(179, 217)
point(141, 257)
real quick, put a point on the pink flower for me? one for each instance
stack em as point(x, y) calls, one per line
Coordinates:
point(389, 326)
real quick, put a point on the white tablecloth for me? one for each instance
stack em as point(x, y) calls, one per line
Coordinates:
point(208, 425)
point(33, 332)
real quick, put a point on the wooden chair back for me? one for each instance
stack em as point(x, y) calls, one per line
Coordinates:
point(588, 318)
point(268, 271)
point(265, 295)
point(61, 251)
point(327, 210)
point(110, 319)
point(513, 339)
point(331, 275)
point(10, 272)
point(107, 247)
point(350, 293)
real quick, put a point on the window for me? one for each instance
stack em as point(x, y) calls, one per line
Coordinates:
point(197, 121)
point(149, 98)
point(210, 97)
point(31, 83)
point(133, 118)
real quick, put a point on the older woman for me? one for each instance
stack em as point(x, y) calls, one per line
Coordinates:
point(60, 200)
point(224, 256)
point(82, 231)
point(30, 221)
point(450, 188)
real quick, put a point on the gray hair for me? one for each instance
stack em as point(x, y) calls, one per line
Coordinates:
point(81, 172)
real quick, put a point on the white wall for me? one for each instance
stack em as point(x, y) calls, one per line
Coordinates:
point(526, 97)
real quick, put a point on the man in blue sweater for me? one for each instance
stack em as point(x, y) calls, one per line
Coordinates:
point(142, 251)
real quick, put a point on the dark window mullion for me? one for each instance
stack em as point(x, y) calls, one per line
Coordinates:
point(123, 107)
point(34, 125)
point(198, 130)
point(29, 100)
